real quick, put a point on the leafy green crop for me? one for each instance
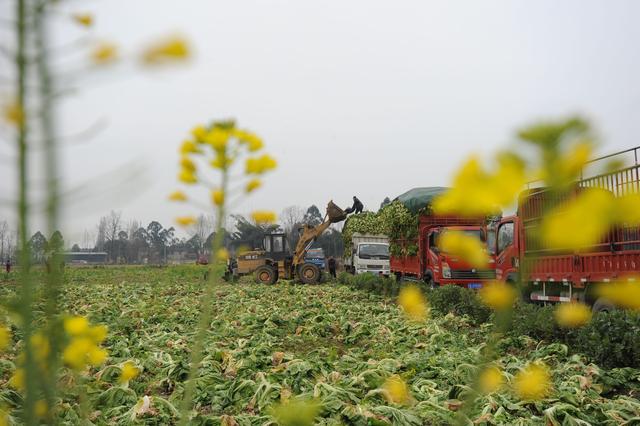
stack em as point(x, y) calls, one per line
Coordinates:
point(330, 345)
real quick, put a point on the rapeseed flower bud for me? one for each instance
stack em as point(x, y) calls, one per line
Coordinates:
point(413, 303)
point(13, 114)
point(396, 390)
point(572, 315)
point(104, 53)
point(41, 408)
point(217, 138)
point(222, 255)
point(128, 372)
point(625, 294)
point(75, 326)
point(467, 247)
point(217, 197)
point(263, 216)
point(253, 142)
point(172, 49)
point(5, 337)
point(498, 295)
point(17, 380)
point(260, 165)
point(533, 382)
point(491, 379)
point(178, 196)
point(187, 164)
point(199, 133)
point(252, 185)
point(187, 177)
point(189, 147)
point(186, 220)
point(84, 19)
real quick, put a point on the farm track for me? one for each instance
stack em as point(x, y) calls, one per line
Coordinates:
point(329, 342)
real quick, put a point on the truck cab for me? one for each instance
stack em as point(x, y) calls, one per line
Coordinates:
point(370, 253)
point(444, 268)
point(316, 256)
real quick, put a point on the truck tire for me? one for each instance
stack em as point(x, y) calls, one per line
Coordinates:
point(603, 305)
point(309, 273)
point(265, 275)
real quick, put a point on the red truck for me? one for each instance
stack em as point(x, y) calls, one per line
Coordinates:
point(565, 275)
point(433, 266)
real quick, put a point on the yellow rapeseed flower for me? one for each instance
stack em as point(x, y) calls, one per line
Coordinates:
point(569, 227)
point(533, 382)
point(253, 142)
point(625, 294)
point(104, 53)
point(252, 185)
point(627, 209)
point(296, 412)
point(186, 220)
point(217, 138)
point(199, 133)
point(187, 164)
point(41, 408)
point(222, 161)
point(491, 379)
point(498, 295)
point(477, 192)
point(468, 247)
point(222, 255)
point(189, 147)
point(76, 326)
point(40, 346)
point(260, 164)
point(84, 19)
point(572, 315)
point(187, 177)
point(5, 337)
point(98, 333)
point(263, 216)
point(128, 371)
point(171, 49)
point(396, 390)
point(13, 113)
point(178, 196)
point(413, 303)
point(17, 381)
point(217, 197)
point(97, 356)
point(75, 354)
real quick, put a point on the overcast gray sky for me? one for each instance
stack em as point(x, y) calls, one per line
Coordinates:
point(352, 97)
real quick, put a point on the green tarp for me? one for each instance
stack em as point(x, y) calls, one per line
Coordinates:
point(417, 198)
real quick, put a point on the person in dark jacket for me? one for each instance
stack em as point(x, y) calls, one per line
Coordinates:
point(332, 266)
point(357, 205)
point(7, 266)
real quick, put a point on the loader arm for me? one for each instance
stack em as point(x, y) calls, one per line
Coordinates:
point(309, 233)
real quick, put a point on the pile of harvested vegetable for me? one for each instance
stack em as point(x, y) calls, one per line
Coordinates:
point(328, 343)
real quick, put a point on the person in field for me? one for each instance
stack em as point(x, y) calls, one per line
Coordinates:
point(332, 266)
point(356, 208)
point(7, 266)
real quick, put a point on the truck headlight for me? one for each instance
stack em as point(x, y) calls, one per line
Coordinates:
point(446, 271)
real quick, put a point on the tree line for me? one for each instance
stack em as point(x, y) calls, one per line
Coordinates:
point(132, 242)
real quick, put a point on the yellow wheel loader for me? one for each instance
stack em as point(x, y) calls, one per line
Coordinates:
point(276, 261)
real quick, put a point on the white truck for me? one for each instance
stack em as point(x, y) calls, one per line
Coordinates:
point(369, 253)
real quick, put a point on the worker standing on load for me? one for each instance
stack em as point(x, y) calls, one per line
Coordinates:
point(357, 205)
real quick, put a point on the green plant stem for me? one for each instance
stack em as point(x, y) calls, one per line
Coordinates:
point(31, 386)
point(47, 126)
point(197, 353)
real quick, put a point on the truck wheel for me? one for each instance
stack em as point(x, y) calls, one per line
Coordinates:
point(309, 273)
point(603, 305)
point(265, 275)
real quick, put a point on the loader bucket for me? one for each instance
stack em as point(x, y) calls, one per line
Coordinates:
point(335, 213)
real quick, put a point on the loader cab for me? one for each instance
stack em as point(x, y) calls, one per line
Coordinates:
point(276, 246)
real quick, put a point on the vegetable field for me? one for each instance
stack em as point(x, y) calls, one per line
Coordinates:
point(328, 348)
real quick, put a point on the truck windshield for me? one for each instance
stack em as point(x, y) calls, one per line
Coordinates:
point(373, 251)
point(476, 233)
point(315, 254)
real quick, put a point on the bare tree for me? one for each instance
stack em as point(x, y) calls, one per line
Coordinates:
point(113, 227)
point(291, 218)
point(4, 239)
point(204, 226)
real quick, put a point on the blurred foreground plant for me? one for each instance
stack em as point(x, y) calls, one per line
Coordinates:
point(215, 150)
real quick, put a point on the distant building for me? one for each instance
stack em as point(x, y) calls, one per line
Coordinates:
point(85, 257)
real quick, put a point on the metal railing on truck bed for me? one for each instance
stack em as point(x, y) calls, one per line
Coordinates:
point(618, 252)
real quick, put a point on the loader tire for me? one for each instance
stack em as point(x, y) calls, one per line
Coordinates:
point(603, 305)
point(309, 273)
point(265, 275)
